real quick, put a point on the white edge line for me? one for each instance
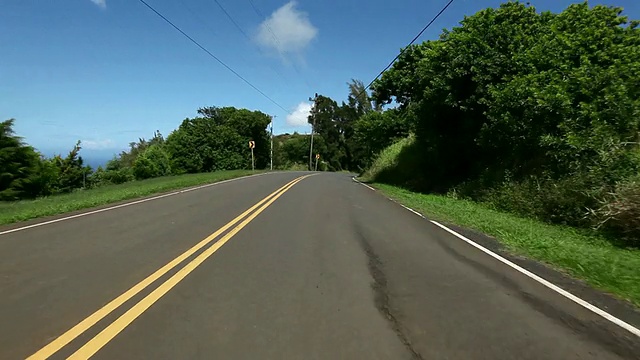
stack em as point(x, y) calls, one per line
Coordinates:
point(135, 202)
point(632, 329)
point(413, 211)
point(546, 283)
point(363, 184)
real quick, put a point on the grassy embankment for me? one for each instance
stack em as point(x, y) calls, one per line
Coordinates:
point(11, 212)
point(581, 253)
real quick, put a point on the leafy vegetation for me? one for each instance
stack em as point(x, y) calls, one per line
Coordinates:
point(532, 113)
point(216, 140)
point(25, 173)
point(348, 136)
point(395, 164)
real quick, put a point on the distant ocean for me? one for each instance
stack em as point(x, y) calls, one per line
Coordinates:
point(95, 162)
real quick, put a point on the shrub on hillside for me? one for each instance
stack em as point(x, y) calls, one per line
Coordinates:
point(397, 164)
point(152, 163)
point(565, 201)
point(119, 176)
point(620, 213)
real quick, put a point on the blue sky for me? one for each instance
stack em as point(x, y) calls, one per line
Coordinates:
point(109, 71)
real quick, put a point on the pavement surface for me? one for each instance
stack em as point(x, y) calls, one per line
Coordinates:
point(326, 269)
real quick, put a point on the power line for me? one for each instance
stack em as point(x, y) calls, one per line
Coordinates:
point(261, 15)
point(213, 56)
point(405, 48)
point(255, 8)
point(235, 23)
point(195, 15)
point(232, 20)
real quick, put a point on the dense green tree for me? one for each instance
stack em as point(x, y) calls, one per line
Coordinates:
point(72, 174)
point(544, 103)
point(335, 124)
point(153, 162)
point(359, 98)
point(18, 164)
point(516, 93)
point(45, 179)
point(327, 118)
point(219, 141)
point(250, 125)
point(292, 150)
point(375, 131)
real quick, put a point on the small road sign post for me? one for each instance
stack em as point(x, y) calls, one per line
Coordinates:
point(252, 145)
point(317, 157)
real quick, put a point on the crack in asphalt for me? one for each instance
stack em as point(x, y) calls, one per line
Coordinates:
point(381, 294)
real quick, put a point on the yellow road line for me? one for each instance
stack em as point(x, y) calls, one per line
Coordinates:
point(106, 335)
point(85, 324)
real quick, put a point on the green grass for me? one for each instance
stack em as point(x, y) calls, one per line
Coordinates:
point(387, 160)
point(59, 204)
point(582, 254)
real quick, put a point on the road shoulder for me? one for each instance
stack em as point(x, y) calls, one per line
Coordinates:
point(605, 301)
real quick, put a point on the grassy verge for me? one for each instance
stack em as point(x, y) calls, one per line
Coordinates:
point(59, 204)
point(394, 163)
point(582, 254)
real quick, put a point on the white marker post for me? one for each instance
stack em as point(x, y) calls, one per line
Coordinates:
point(271, 151)
point(252, 144)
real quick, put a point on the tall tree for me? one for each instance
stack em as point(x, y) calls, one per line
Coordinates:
point(514, 93)
point(359, 98)
point(250, 125)
point(18, 163)
point(219, 140)
point(325, 117)
point(72, 173)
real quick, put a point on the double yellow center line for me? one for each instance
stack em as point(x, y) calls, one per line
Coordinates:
point(113, 329)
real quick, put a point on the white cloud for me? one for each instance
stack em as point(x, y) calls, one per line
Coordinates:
point(287, 30)
point(100, 3)
point(97, 144)
point(299, 116)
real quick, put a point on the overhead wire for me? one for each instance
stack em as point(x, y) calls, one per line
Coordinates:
point(213, 56)
point(235, 23)
point(406, 47)
point(197, 16)
point(232, 19)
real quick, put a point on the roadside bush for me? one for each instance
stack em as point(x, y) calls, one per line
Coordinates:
point(291, 166)
point(119, 176)
point(375, 131)
point(549, 99)
point(152, 163)
point(620, 213)
point(565, 201)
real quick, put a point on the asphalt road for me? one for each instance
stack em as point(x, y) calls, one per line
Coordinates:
point(327, 269)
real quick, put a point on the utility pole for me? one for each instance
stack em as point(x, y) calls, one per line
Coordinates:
point(271, 153)
point(313, 128)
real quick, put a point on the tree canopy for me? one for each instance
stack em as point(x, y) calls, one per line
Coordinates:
point(215, 140)
point(515, 93)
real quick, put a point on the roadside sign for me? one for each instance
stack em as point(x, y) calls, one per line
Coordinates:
point(252, 145)
point(317, 156)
